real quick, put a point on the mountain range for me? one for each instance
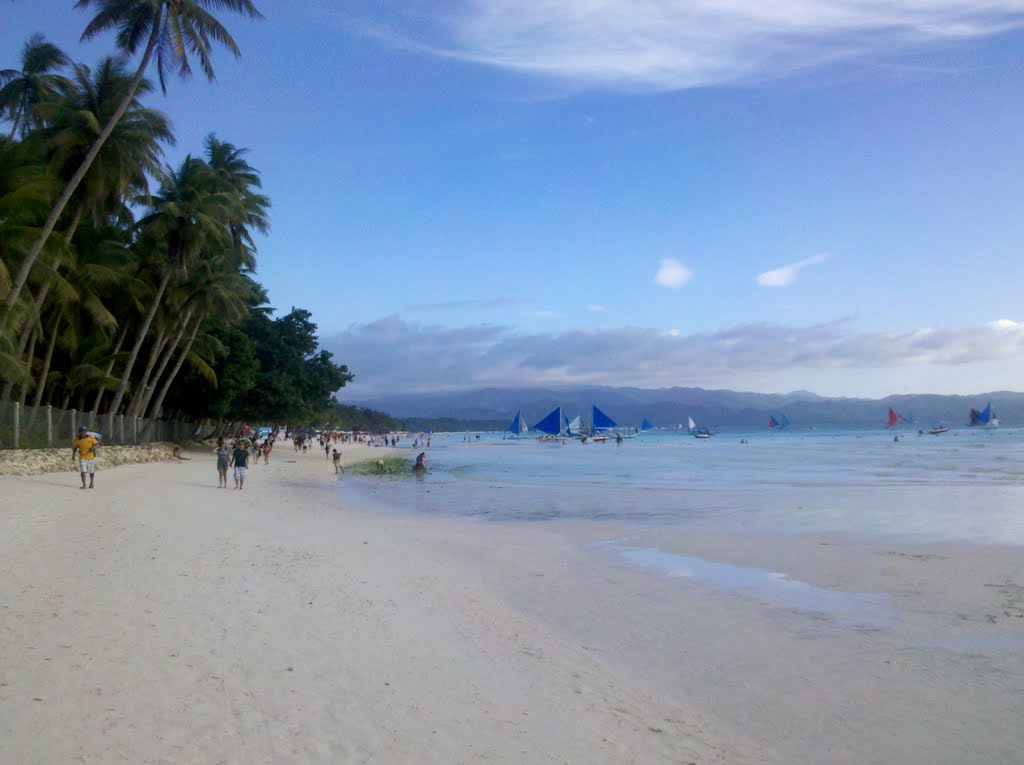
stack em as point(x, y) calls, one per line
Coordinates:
point(669, 407)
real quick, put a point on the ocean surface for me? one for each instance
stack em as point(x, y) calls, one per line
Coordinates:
point(963, 485)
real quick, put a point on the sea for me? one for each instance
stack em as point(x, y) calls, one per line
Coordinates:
point(965, 485)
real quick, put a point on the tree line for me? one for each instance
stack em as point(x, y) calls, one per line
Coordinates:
point(127, 284)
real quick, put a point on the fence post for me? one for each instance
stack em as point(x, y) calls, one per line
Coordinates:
point(17, 425)
point(49, 425)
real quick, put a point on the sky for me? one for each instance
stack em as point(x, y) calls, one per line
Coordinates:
point(819, 195)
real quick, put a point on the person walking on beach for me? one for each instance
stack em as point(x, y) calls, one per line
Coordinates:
point(421, 464)
point(337, 461)
point(240, 460)
point(223, 460)
point(267, 446)
point(85, 448)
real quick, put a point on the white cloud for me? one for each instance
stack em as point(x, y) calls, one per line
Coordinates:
point(393, 355)
point(1008, 325)
point(785, 276)
point(676, 44)
point(595, 308)
point(672, 273)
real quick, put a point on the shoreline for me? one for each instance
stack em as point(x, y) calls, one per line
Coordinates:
point(167, 621)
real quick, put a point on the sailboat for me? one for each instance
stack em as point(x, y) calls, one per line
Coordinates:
point(895, 418)
point(774, 424)
point(601, 423)
point(573, 426)
point(645, 425)
point(518, 426)
point(701, 432)
point(551, 426)
point(986, 418)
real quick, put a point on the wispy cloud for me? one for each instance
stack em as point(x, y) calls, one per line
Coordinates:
point(676, 44)
point(595, 308)
point(544, 313)
point(785, 276)
point(672, 273)
point(395, 355)
point(458, 305)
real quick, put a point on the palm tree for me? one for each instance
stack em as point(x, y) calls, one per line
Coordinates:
point(172, 29)
point(186, 219)
point(242, 180)
point(22, 91)
point(224, 293)
point(120, 170)
point(26, 190)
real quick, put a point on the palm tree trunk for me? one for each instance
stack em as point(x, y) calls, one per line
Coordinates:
point(168, 355)
point(174, 372)
point(40, 298)
point(76, 179)
point(17, 121)
point(143, 330)
point(41, 384)
point(23, 390)
point(110, 367)
point(154, 353)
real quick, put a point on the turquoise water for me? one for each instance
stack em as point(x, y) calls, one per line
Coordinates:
point(964, 485)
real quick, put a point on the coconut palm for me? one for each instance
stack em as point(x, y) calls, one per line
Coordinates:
point(186, 219)
point(172, 29)
point(242, 180)
point(121, 167)
point(222, 292)
point(38, 81)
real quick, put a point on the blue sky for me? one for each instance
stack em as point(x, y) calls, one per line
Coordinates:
point(793, 195)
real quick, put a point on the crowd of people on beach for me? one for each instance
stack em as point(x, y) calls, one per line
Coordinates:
point(237, 456)
point(251, 444)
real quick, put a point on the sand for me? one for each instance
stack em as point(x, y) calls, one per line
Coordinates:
point(158, 619)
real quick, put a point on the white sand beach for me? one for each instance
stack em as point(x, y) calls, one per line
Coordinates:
point(158, 619)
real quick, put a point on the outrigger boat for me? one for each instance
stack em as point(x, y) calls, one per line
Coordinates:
point(518, 426)
point(986, 418)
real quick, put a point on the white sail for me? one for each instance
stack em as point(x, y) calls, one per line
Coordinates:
point(692, 424)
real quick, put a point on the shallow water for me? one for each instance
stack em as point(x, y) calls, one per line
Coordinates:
point(965, 485)
point(771, 587)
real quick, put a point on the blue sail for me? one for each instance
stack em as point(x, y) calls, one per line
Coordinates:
point(518, 424)
point(646, 424)
point(552, 424)
point(785, 421)
point(602, 421)
point(773, 423)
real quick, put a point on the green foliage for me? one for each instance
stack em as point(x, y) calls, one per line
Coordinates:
point(452, 425)
point(346, 417)
point(391, 467)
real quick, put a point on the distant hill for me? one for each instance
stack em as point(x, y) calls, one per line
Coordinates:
point(668, 407)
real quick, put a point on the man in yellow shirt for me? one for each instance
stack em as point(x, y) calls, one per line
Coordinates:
point(85, 447)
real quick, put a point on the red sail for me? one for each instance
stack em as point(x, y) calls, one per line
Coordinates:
point(893, 417)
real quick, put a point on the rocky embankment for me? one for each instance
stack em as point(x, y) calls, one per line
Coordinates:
point(36, 461)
